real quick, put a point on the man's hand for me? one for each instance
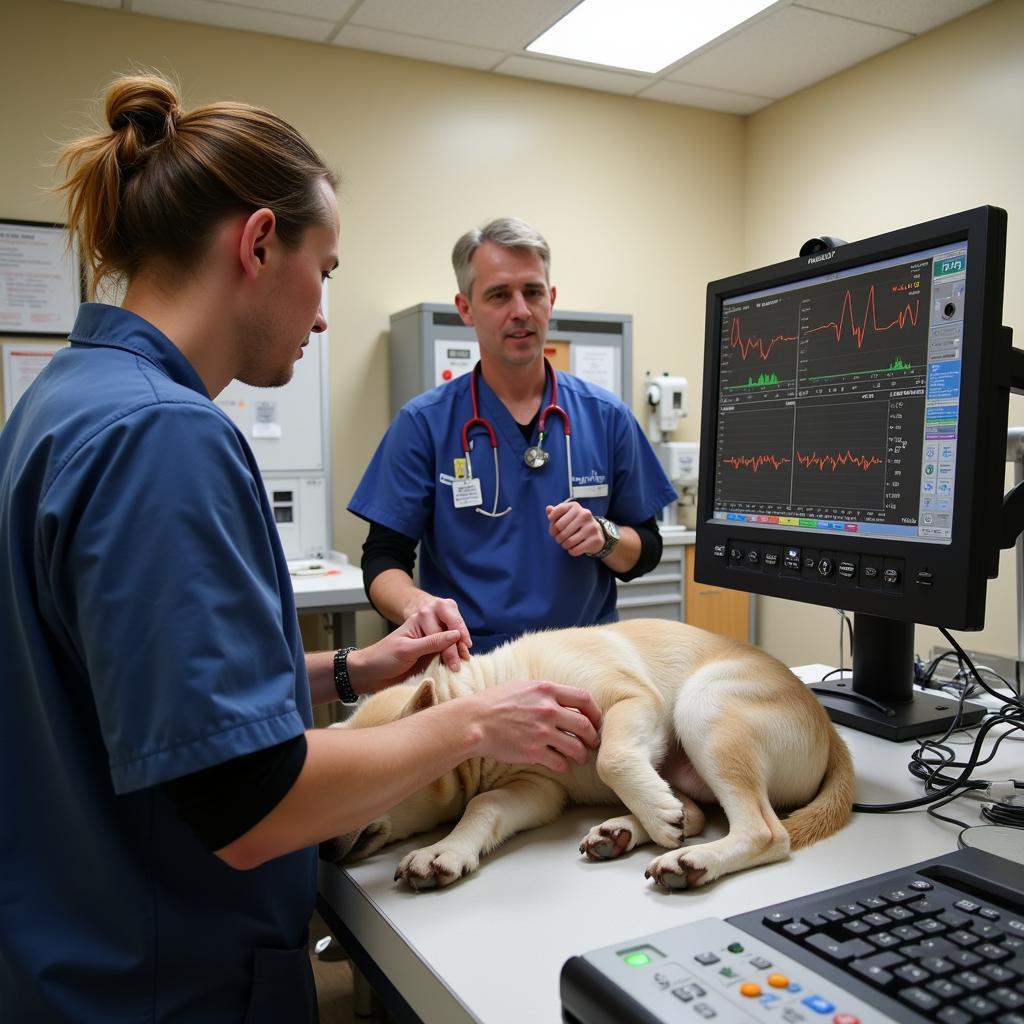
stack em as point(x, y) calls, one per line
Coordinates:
point(574, 528)
point(431, 615)
point(536, 722)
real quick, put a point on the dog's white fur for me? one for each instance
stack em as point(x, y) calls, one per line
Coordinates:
point(688, 715)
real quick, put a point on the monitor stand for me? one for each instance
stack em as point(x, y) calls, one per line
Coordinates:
point(881, 699)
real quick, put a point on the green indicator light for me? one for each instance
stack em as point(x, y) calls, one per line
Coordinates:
point(637, 959)
point(735, 947)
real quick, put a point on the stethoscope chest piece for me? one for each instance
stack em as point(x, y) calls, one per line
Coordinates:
point(535, 457)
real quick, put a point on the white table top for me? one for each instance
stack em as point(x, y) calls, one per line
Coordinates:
point(338, 588)
point(490, 948)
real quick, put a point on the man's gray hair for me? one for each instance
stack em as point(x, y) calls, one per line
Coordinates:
point(509, 233)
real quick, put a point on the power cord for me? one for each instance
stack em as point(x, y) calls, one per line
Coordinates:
point(935, 757)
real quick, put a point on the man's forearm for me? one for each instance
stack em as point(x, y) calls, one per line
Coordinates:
point(626, 552)
point(395, 596)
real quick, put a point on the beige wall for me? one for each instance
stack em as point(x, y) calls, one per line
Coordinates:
point(928, 129)
point(643, 202)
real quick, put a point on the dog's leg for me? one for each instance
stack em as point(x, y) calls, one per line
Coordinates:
point(617, 836)
point(633, 739)
point(527, 801)
point(731, 764)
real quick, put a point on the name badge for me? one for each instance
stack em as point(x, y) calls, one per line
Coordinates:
point(591, 491)
point(467, 493)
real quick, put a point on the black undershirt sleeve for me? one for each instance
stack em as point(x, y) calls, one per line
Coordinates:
point(224, 801)
point(383, 549)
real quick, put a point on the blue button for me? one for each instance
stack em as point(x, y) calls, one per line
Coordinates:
point(819, 1004)
point(794, 987)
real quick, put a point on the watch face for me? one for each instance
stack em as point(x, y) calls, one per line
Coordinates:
point(610, 528)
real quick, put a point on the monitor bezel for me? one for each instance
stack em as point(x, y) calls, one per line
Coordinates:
point(959, 569)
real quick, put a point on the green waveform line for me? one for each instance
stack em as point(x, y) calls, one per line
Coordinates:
point(896, 366)
point(764, 380)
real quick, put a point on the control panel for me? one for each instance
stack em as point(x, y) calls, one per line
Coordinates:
point(707, 970)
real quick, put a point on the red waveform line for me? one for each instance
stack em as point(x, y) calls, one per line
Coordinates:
point(736, 340)
point(864, 462)
point(869, 310)
point(755, 462)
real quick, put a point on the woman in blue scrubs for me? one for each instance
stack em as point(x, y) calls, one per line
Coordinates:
point(162, 789)
point(510, 541)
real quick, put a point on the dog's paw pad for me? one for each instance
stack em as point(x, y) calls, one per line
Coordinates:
point(606, 843)
point(434, 868)
point(672, 871)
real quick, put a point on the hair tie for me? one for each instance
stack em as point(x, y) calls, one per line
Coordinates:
point(151, 123)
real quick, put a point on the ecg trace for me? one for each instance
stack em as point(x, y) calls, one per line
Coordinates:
point(755, 462)
point(907, 313)
point(833, 462)
point(736, 340)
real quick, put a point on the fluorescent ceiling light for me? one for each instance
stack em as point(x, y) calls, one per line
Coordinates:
point(641, 35)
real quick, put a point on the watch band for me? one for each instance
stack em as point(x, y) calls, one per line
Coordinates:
point(342, 683)
point(611, 538)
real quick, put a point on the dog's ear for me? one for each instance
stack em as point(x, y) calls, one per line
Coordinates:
point(424, 697)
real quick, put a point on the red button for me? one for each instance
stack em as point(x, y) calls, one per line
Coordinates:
point(446, 375)
point(845, 1018)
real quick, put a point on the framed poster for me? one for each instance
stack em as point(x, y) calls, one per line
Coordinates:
point(22, 363)
point(40, 279)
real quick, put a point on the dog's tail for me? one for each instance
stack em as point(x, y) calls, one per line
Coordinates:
point(832, 806)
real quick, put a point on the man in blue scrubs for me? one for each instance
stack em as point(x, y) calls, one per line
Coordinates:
point(552, 559)
point(162, 789)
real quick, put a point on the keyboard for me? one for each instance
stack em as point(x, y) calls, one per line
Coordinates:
point(938, 941)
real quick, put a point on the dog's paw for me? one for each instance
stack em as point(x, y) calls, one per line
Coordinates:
point(608, 841)
point(435, 867)
point(678, 869)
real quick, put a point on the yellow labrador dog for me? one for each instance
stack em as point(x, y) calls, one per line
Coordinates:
point(688, 716)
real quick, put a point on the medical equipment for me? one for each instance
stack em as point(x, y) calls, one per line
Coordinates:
point(667, 403)
point(535, 457)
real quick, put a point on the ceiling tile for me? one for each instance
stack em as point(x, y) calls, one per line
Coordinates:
point(708, 99)
point(503, 25)
point(907, 15)
point(572, 74)
point(329, 10)
point(416, 47)
point(208, 12)
point(790, 49)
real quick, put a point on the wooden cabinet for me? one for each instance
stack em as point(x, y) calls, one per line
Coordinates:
point(715, 608)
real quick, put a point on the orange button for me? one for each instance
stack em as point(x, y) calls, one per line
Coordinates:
point(750, 988)
point(778, 980)
point(446, 374)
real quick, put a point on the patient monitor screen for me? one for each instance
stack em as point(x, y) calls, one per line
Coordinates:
point(839, 400)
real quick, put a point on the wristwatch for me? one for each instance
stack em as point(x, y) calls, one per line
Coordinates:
point(611, 537)
point(341, 681)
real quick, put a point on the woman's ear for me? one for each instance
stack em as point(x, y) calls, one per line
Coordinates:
point(258, 231)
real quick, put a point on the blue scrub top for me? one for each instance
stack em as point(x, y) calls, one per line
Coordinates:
point(508, 575)
point(148, 630)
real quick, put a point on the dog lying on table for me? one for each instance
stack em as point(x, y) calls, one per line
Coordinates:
point(688, 716)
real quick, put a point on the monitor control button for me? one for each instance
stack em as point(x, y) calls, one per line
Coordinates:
point(753, 556)
point(891, 577)
point(736, 554)
point(826, 567)
point(720, 550)
point(924, 578)
point(870, 572)
point(847, 569)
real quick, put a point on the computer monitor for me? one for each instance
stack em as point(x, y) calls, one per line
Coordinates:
point(853, 445)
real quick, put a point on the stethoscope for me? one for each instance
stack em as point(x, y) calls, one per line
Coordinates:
point(535, 456)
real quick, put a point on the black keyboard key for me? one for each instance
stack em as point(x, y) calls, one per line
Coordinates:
point(907, 933)
point(988, 931)
point(851, 909)
point(874, 902)
point(925, 905)
point(1001, 975)
point(796, 929)
point(833, 915)
point(936, 965)
point(951, 1015)
point(990, 951)
point(856, 927)
point(968, 906)
point(915, 974)
point(884, 940)
point(944, 989)
point(1015, 926)
point(921, 885)
point(989, 913)
point(1007, 997)
point(931, 947)
point(964, 938)
point(815, 920)
point(777, 918)
point(876, 920)
point(837, 950)
point(964, 958)
point(979, 1006)
point(930, 925)
point(1010, 1018)
point(955, 919)
point(871, 972)
point(899, 914)
point(971, 981)
point(919, 999)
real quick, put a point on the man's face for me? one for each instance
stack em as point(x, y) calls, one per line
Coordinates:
point(293, 307)
point(509, 304)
